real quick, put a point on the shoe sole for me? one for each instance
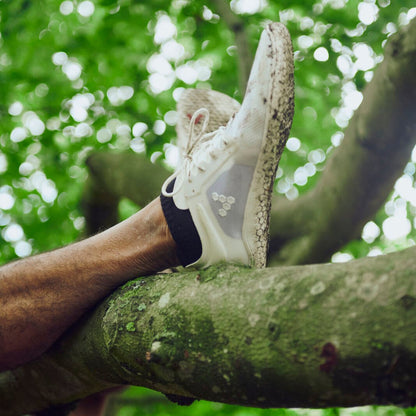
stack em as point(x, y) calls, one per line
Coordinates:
point(277, 127)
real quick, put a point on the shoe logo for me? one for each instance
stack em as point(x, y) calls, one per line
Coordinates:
point(226, 202)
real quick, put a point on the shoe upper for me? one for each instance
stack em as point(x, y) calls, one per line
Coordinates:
point(227, 176)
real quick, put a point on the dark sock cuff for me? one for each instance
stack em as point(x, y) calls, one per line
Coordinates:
point(182, 228)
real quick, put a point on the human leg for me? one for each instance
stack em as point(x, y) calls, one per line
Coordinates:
point(41, 296)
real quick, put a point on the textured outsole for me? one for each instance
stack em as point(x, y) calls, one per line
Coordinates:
point(278, 127)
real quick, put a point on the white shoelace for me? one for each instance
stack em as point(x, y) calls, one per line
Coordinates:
point(203, 156)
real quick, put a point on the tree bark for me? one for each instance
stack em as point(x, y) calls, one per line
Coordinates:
point(361, 172)
point(299, 336)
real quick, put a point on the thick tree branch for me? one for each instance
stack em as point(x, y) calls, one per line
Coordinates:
point(300, 336)
point(244, 53)
point(361, 172)
point(113, 176)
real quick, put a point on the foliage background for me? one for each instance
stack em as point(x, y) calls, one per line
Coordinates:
point(78, 76)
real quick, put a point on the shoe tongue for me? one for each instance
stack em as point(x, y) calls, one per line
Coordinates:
point(221, 107)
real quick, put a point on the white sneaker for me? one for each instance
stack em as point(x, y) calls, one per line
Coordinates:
point(226, 180)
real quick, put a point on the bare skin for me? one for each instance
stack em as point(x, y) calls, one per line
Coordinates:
point(42, 296)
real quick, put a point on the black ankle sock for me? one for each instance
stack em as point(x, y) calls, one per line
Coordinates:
point(182, 228)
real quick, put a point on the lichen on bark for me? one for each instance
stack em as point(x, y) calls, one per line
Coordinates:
point(300, 336)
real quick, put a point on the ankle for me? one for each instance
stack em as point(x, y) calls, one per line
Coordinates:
point(159, 251)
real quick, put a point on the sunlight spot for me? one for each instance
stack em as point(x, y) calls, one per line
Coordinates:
point(310, 169)
point(279, 172)
point(370, 232)
point(104, 135)
point(367, 12)
point(26, 168)
point(123, 130)
point(6, 200)
point(18, 134)
point(344, 64)
point(187, 74)
point(4, 219)
point(341, 257)
point(48, 191)
point(66, 7)
point(321, 54)
point(404, 186)
point(138, 145)
point(159, 64)
point(118, 95)
point(172, 154)
point(300, 176)
point(36, 126)
point(16, 108)
point(353, 99)
point(396, 227)
point(159, 127)
point(368, 76)
point(375, 252)
point(78, 113)
point(316, 156)
point(177, 92)
point(337, 4)
point(286, 15)
point(293, 144)
point(171, 118)
point(159, 83)
point(13, 232)
point(384, 3)
point(248, 6)
point(86, 8)
point(364, 55)
point(207, 13)
point(72, 70)
point(172, 50)
point(79, 223)
point(306, 23)
point(59, 58)
point(23, 249)
point(164, 29)
point(139, 128)
point(305, 42)
point(292, 193)
point(83, 130)
point(3, 163)
point(283, 186)
point(411, 14)
point(337, 138)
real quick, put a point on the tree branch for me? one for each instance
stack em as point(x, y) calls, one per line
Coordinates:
point(308, 336)
point(361, 172)
point(113, 176)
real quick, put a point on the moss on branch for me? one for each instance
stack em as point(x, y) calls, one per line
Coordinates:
point(303, 336)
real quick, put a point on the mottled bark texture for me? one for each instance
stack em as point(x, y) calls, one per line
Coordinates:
point(358, 177)
point(297, 336)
